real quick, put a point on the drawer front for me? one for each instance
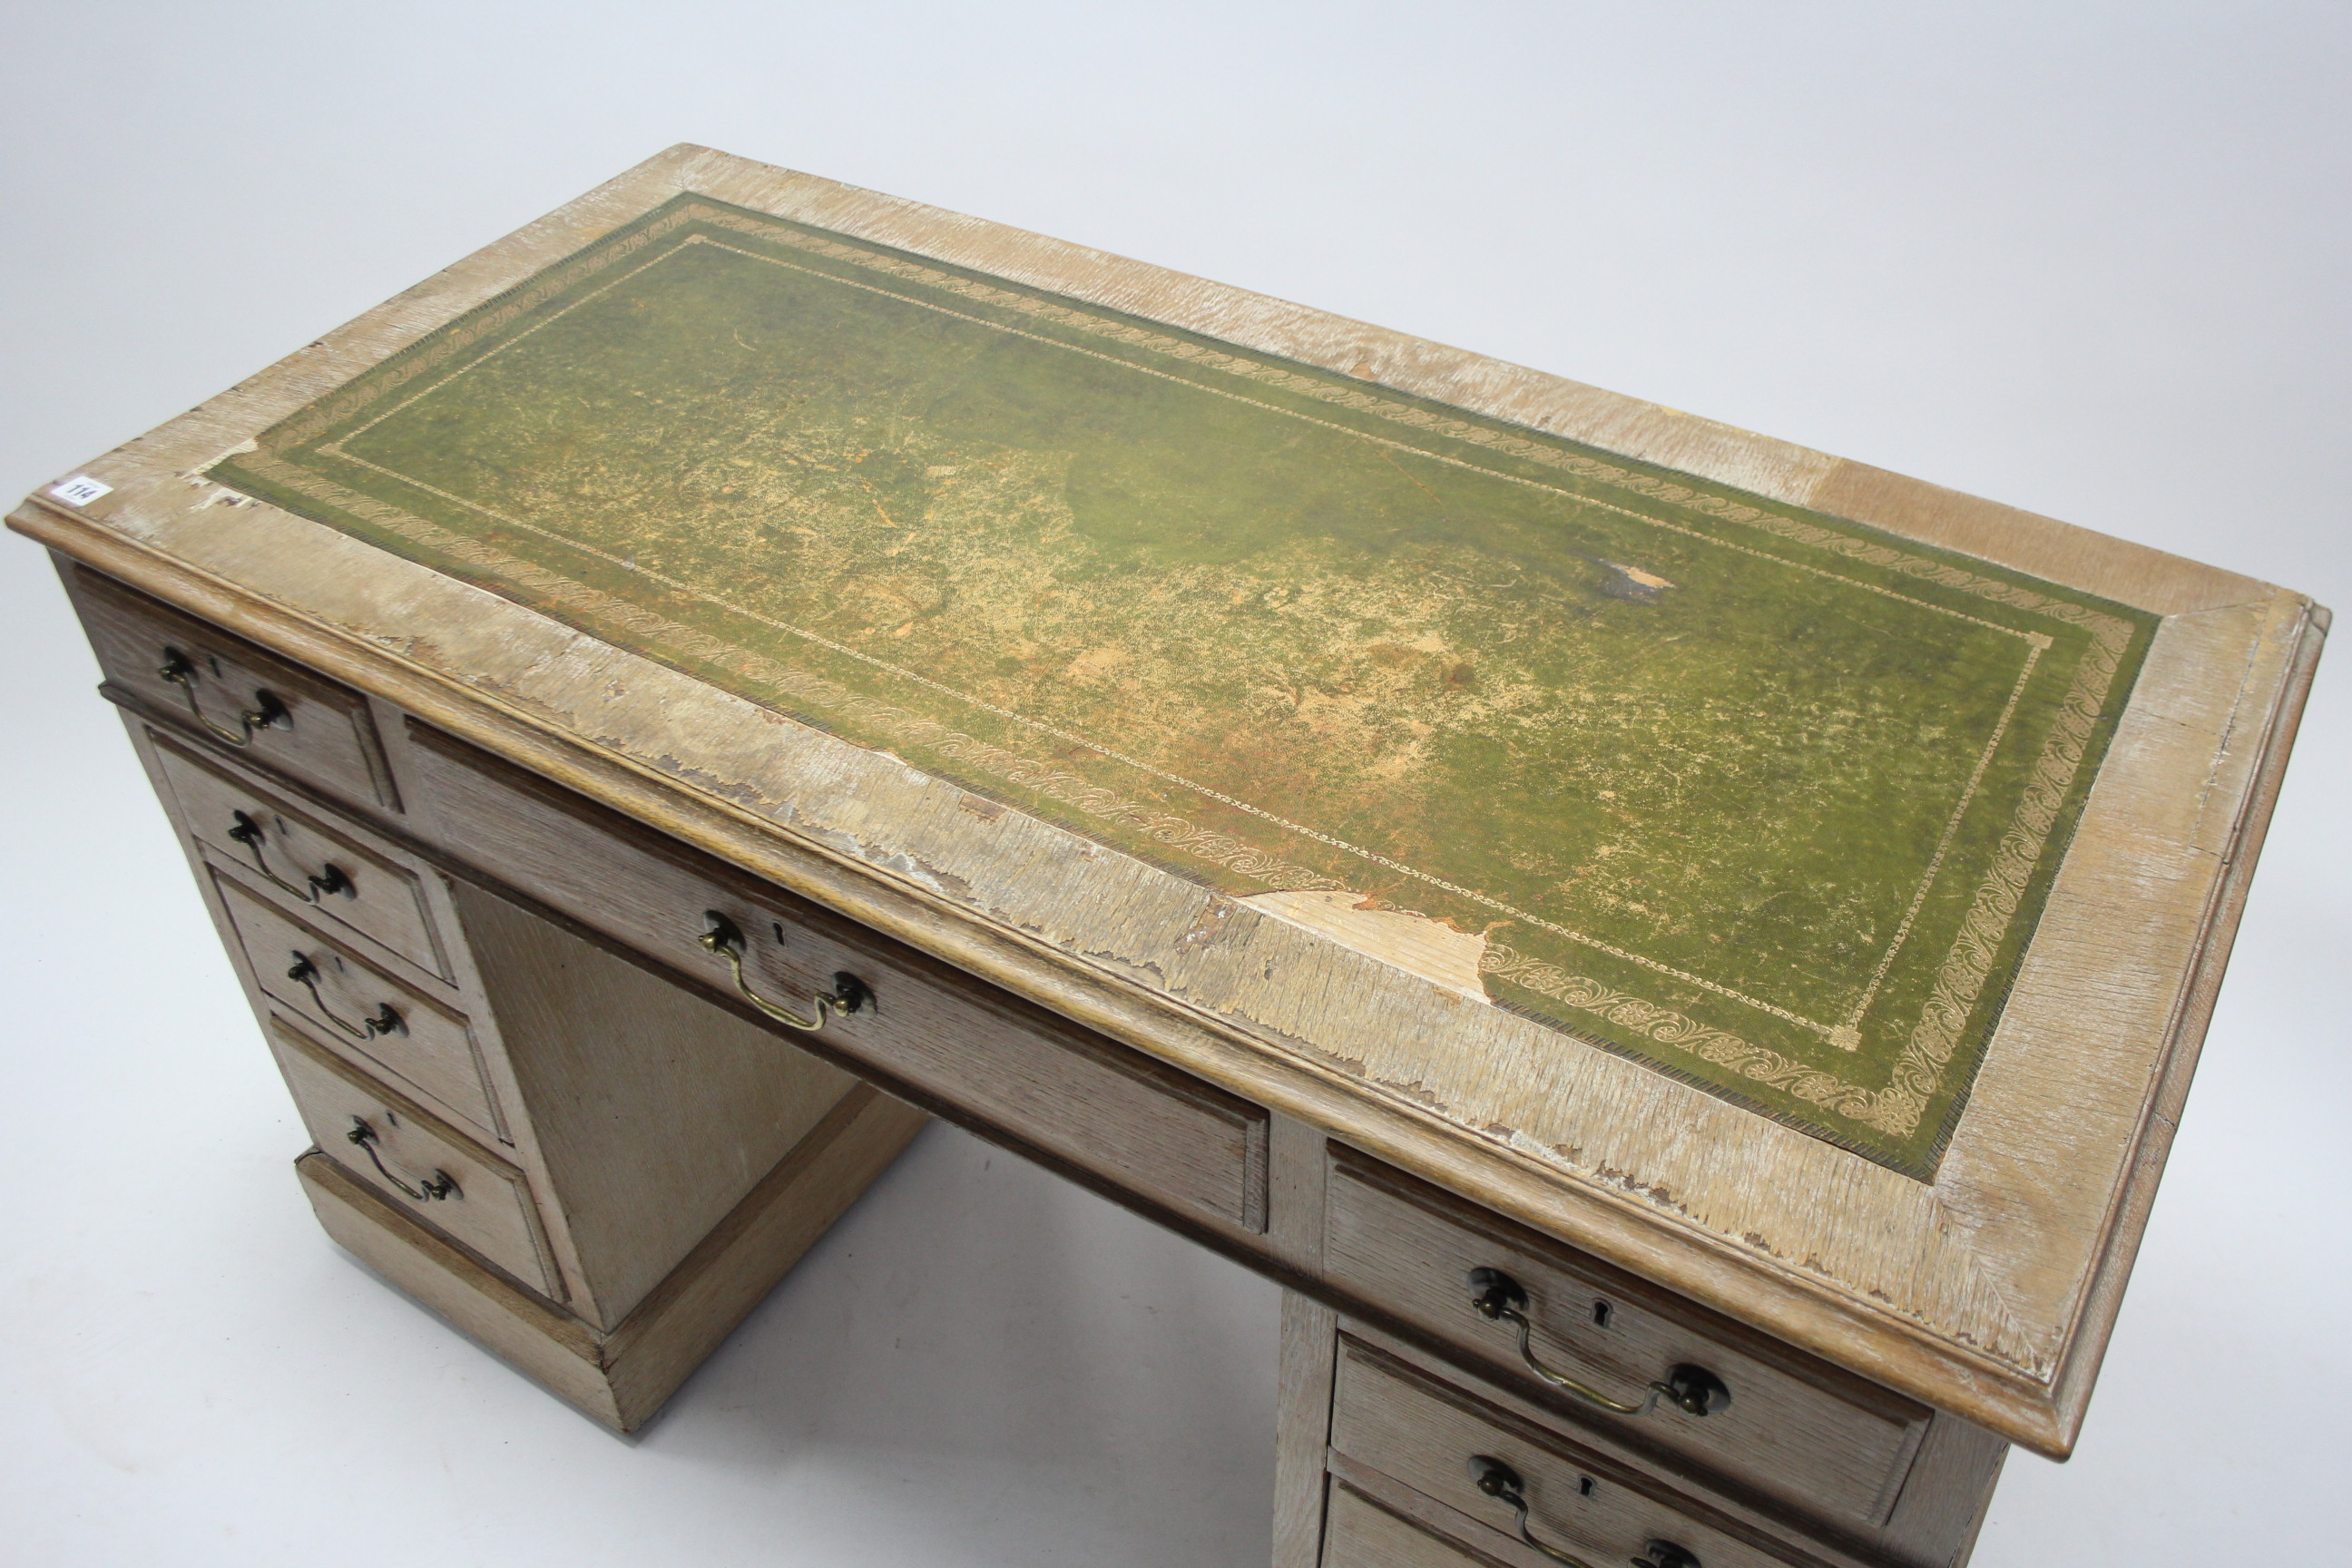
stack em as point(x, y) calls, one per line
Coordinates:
point(1822, 1439)
point(351, 892)
point(1358, 1533)
point(1412, 1429)
point(222, 688)
point(1072, 1093)
point(419, 1163)
point(423, 1047)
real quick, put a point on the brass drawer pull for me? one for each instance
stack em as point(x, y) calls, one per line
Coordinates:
point(440, 1184)
point(387, 1021)
point(725, 938)
point(268, 711)
point(1692, 1390)
point(1508, 1487)
point(330, 880)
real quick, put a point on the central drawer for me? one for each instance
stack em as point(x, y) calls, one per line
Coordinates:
point(982, 1056)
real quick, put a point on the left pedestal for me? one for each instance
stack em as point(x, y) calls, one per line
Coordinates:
point(591, 1169)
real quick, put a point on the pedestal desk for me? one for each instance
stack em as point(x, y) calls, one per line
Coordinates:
point(1680, 954)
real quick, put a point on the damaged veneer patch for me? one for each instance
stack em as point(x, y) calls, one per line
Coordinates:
point(1430, 948)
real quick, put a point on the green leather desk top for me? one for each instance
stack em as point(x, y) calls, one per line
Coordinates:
point(1760, 797)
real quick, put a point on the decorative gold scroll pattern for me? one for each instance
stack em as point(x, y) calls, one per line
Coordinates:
point(1960, 983)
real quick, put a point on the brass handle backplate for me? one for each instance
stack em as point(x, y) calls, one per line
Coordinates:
point(385, 1021)
point(440, 1184)
point(331, 880)
point(269, 710)
point(1508, 1487)
point(1692, 1390)
point(724, 937)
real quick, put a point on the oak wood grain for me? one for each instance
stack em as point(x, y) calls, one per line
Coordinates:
point(1934, 1523)
point(1388, 1419)
point(325, 732)
point(655, 1111)
point(620, 1380)
point(488, 1208)
point(1808, 1433)
point(1365, 1535)
point(373, 901)
point(1175, 1139)
point(432, 1050)
point(1989, 1293)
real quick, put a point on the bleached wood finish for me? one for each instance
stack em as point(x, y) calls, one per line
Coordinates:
point(1302, 1429)
point(1819, 1437)
point(1934, 1522)
point(325, 732)
point(1365, 1535)
point(381, 906)
point(1989, 1292)
point(655, 1111)
point(1424, 1435)
point(660, 1158)
point(1152, 1131)
point(622, 1378)
point(434, 1048)
point(449, 1181)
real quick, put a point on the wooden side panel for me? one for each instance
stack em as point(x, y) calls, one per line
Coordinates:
point(684, 1319)
point(655, 1112)
point(621, 1379)
point(1010, 1066)
point(1828, 1442)
point(1951, 1487)
point(1302, 1428)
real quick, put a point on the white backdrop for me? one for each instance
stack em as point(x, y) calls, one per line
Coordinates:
point(2089, 261)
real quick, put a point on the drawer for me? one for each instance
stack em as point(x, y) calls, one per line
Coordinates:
point(222, 688)
point(354, 893)
point(1799, 1429)
point(417, 1161)
point(426, 1049)
point(1486, 1466)
point(1360, 1533)
point(978, 1053)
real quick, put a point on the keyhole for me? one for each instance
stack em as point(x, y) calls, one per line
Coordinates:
point(1584, 1486)
point(778, 927)
point(1601, 1314)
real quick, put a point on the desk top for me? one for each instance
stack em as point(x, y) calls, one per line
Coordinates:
point(1797, 884)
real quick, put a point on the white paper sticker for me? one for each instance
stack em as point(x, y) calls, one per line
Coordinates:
point(80, 490)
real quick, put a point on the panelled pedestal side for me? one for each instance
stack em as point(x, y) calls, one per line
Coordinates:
point(592, 1172)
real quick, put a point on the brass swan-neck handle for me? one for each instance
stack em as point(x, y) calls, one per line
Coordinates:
point(723, 937)
point(269, 710)
point(1690, 1389)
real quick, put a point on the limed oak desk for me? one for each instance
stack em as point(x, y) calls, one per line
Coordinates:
point(1681, 953)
